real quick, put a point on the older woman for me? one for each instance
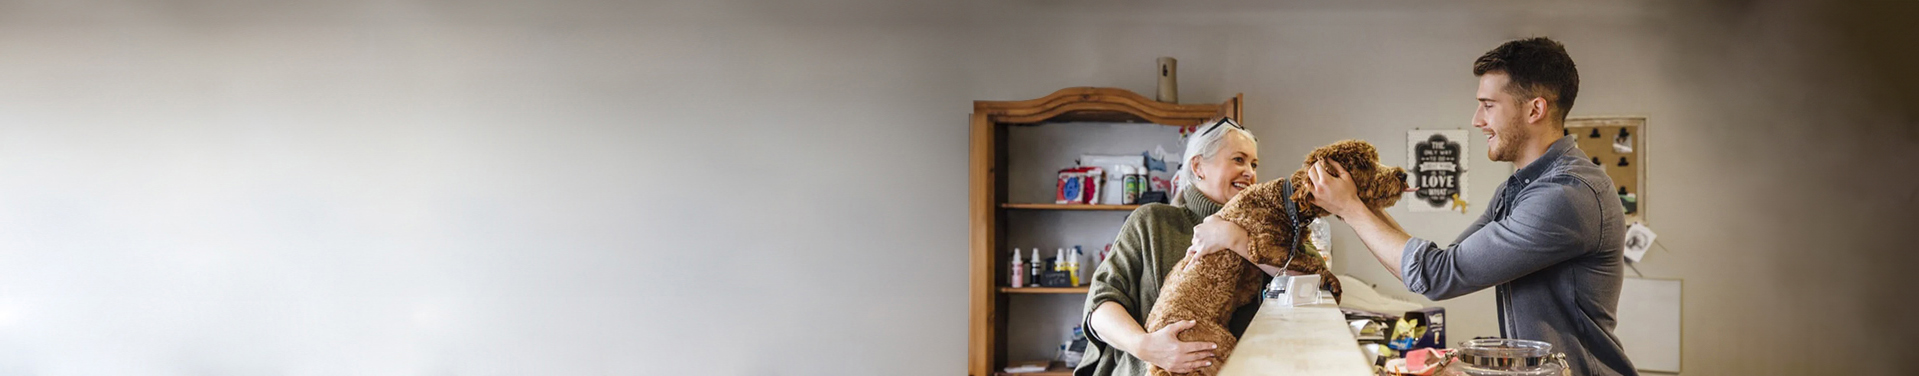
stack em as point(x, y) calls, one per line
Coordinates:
point(1219, 162)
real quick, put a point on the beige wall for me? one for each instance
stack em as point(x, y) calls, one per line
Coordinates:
point(743, 188)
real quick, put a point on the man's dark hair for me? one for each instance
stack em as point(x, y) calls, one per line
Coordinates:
point(1538, 68)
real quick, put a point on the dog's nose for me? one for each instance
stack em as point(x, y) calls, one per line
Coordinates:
point(1401, 175)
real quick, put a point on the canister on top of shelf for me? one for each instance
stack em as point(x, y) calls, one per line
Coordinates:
point(1168, 80)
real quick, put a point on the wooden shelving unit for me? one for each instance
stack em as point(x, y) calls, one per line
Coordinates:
point(1043, 290)
point(988, 205)
point(1067, 207)
point(1055, 371)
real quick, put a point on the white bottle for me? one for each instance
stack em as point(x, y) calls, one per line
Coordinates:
point(1033, 269)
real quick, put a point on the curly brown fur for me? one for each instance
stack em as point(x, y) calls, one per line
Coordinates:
point(1207, 294)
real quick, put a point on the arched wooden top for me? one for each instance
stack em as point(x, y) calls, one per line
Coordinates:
point(1099, 103)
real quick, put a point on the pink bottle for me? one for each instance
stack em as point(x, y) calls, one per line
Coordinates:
point(1018, 270)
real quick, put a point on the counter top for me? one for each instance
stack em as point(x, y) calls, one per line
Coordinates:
point(1304, 340)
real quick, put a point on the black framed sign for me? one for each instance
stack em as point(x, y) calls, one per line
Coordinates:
point(1436, 170)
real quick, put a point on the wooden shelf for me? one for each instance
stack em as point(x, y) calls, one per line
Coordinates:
point(1043, 290)
point(1055, 370)
point(1067, 207)
point(1049, 372)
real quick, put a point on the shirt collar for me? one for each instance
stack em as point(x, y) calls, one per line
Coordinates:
point(1546, 161)
point(1198, 203)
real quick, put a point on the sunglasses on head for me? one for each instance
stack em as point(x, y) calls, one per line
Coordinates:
point(1222, 121)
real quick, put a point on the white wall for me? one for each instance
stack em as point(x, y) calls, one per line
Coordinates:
point(739, 188)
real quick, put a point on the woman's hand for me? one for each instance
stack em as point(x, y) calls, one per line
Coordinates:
point(1213, 235)
point(1335, 194)
point(1162, 348)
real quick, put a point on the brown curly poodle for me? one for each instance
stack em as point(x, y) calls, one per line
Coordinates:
point(1208, 293)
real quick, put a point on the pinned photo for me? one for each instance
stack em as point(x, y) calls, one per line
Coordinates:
point(1622, 143)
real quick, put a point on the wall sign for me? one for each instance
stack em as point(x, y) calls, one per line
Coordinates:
point(1436, 169)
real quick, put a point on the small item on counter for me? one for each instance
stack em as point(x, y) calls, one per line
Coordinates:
point(1320, 235)
point(1501, 357)
point(1435, 336)
point(1420, 328)
point(1018, 269)
point(1301, 290)
point(1033, 270)
point(1405, 332)
point(1364, 329)
point(1425, 361)
point(1378, 353)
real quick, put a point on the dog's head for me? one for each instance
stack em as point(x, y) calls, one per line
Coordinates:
point(1379, 186)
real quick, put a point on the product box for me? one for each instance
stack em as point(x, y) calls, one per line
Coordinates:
point(1111, 165)
point(1433, 321)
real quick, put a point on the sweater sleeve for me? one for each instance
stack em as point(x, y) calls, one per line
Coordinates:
point(1118, 278)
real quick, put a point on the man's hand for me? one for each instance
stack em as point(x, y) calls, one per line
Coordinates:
point(1162, 348)
point(1213, 235)
point(1335, 194)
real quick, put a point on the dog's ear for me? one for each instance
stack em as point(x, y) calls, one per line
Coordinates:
point(1303, 196)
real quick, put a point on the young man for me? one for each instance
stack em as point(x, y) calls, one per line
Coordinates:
point(1549, 242)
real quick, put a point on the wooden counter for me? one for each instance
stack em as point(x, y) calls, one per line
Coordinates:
point(1306, 340)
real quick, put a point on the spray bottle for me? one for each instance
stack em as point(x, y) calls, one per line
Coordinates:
point(1018, 278)
point(1072, 266)
point(1032, 269)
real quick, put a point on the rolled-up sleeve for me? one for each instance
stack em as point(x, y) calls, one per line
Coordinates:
point(1545, 227)
point(1117, 278)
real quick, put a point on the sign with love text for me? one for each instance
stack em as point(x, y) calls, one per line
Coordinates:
point(1436, 169)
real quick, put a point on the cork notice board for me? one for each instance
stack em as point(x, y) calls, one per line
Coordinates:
point(1619, 145)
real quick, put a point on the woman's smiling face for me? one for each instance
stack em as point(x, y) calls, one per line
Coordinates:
point(1229, 171)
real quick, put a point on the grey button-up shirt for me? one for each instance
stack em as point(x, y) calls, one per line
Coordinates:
point(1550, 243)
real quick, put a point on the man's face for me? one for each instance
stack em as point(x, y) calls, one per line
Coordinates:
point(1501, 116)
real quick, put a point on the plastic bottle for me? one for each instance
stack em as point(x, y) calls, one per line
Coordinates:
point(1059, 261)
point(1032, 270)
point(1132, 184)
point(1072, 266)
point(1018, 278)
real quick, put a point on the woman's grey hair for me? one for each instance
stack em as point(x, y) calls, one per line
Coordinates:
point(1204, 144)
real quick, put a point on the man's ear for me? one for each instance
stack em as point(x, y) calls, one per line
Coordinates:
point(1536, 111)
